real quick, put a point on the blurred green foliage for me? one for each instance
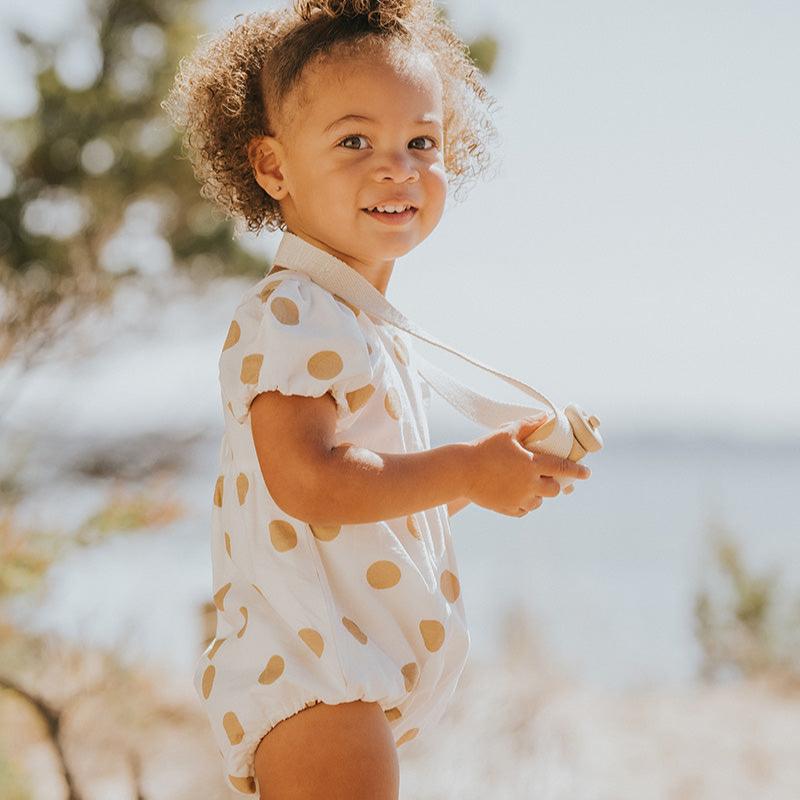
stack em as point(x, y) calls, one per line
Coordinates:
point(88, 156)
point(743, 624)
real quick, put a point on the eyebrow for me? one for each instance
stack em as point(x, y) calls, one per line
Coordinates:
point(425, 120)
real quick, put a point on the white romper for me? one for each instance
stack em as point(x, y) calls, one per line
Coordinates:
point(310, 614)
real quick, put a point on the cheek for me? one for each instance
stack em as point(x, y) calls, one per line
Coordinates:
point(436, 180)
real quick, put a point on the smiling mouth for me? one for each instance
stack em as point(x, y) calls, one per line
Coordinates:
point(392, 217)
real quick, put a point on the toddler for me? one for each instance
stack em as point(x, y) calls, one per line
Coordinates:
point(341, 631)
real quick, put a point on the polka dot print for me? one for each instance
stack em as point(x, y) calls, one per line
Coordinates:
point(219, 597)
point(208, 680)
point(432, 633)
point(285, 311)
point(407, 736)
point(393, 714)
point(251, 368)
point(448, 583)
point(247, 784)
point(400, 350)
point(410, 675)
point(234, 332)
point(241, 630)
point(325, 533)
point(325, 365)
point(217, 644)
point(311, 611)
point(357, 633)
point(359, 397)
point(383, 574)
point(391, 402)
point(233, 727)
point(313, 639)
point(242, 485)
point(412, 527)
point(283, 535)
point(273, 670)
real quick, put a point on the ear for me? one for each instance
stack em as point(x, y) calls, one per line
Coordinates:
point(265, 155)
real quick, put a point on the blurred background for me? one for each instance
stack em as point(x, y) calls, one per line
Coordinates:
point(635, 251)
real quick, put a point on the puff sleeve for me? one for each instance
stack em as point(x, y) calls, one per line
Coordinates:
point(293, 335)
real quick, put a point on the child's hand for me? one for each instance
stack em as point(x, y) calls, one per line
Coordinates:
point(508, 478)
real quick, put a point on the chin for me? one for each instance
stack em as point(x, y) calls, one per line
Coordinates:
point(396, 249)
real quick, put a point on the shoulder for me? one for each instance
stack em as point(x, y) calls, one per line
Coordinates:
point(291, 334)
point(291, 297)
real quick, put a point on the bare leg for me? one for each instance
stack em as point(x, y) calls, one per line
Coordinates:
point(332, 752)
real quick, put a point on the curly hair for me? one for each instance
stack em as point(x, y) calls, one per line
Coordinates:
point(235, 85)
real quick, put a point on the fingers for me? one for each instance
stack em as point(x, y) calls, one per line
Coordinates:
point(528, 424)
point(523, 510)
point(554, 465)
point(548, 487)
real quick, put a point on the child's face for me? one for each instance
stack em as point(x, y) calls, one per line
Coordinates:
point(329, 171)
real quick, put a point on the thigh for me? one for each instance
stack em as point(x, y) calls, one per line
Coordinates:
point(332, 752)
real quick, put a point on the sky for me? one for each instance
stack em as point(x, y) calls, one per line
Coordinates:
point(637, 249)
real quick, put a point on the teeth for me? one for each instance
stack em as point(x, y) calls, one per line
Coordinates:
point(391, 208)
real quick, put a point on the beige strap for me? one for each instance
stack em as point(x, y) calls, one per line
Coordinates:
point(339, 278)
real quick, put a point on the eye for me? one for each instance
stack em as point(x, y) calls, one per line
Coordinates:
point(352, 136)
point(430, 139)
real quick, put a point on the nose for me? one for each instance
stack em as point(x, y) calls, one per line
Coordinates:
point(398, 167)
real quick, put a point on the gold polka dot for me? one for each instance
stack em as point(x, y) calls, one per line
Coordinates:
point(219, 596)
point(285, 310)
point(410, 674)
point(243, 612)
point(218, 491)
point(259, 590)
point(355, 309)
point(282, 535)
point(413, 527)
point(355, 630)
point(325, 365)
point(400, 349)
point(391, 403)
point(358, 397)
point(234, 332)
point(432, 633)
point(233, 727)
point(230, 407)
point(392, 714)
point(369, 348)
point(313, 639)
point(251, 368)
point(242, 485)
point(273, 670)
point(383, 574)
point(208, 680)
point(407, 736)
point(448, 582)
point(325, 533)
point(246, 785)
point(217, 644)
point(228, 544)
point(268, 290)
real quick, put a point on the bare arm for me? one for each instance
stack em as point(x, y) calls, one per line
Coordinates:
point(312, 480)
point(358, 485)
point(456, 505)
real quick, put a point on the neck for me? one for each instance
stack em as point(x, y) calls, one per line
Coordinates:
point(377, 273)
